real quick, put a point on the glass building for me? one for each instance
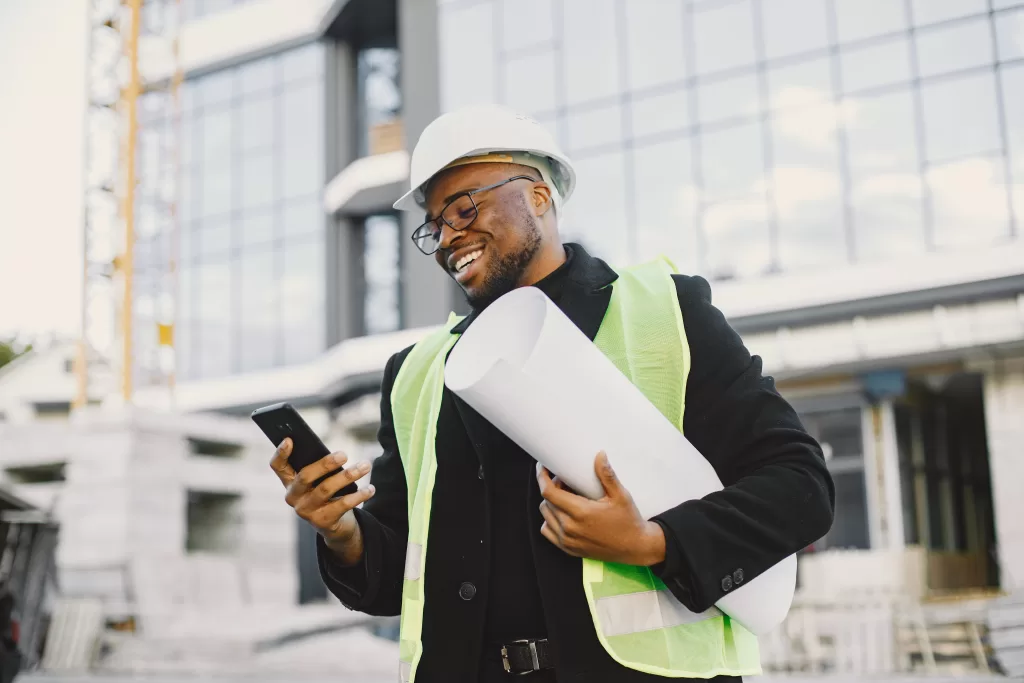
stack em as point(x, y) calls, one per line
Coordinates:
point(751, 137)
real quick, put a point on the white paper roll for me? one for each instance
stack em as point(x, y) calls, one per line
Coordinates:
point(528, 369)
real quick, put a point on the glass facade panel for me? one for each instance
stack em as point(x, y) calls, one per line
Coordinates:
point(600, 221)
point(885, 185)
point(661, 113)
point(931, 11)
point(382, 253)
point(590, 50)
point(595, 128)
point(723, 37)
point(876, 65)
point(526, 23)
point(948, 48)
point(1013, 95)
point(960, 117)
point(530, 83)
point(732, 98)
point(793, 26)
point(655, 43)
point(1010, 34)
point(666, 202)
point(783, 136)
point(250, 192)
point(468, 81)
point(860, 19)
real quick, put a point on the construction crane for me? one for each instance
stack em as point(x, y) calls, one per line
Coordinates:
point(129, 211)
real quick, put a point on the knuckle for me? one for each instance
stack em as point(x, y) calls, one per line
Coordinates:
point(325, 490)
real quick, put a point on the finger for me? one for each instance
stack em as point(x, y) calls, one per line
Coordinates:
point(328, 516)
point(318, 470)
point(552, 521)
point(609, 480)
point(326, 489)
point(279, 463)
point(569, 503)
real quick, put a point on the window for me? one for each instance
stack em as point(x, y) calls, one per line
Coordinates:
point(530, 83)
point(259, 309)
point(839, 433)
point(302, 164)
point(802, 84)
point(960, 117)
point(596, 217)
point(214, 239)
point(737, 237)
point(969, 202)
point(1013, 96)
point(46, 473)
point(467, 81)
point(793, 26)
point(660, 113)
point(257, 124)
point(256, 228)
point(216, 191)
point(213, 522)
point(886, 188)
point(876, 65)
point(1010, 34)
point(732, 162)
point(302, 300)
point(723, 37)
point(931, 11)
point(807, 188)
point(382, 270)
point(526, 23)
point(666, 202)
point(860, 19)
point(257, 181)
point(380, 98)
point(257, 76)
point(595, 127)
point(302, 63)
point(734, 98)
point(950, 48)
point(591, 50)
point(303, 217)
point(655, 40)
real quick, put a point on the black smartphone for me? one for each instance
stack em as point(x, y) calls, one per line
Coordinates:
point(280, 421)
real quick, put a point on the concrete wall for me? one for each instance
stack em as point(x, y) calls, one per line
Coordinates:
point(1004, 418)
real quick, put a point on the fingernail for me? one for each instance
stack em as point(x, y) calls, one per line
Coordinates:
point(372, 489)
point(363, 467)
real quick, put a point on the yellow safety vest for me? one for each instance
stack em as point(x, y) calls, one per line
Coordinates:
point(638, 621)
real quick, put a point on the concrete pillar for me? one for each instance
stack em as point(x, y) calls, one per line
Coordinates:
point(1004, 422)
point(882, 477)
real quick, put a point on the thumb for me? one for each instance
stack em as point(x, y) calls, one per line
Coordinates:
point(612, 485)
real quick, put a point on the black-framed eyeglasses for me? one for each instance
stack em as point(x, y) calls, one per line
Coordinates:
point(459, 214)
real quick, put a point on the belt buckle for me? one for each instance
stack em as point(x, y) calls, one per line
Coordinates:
point(533, 653)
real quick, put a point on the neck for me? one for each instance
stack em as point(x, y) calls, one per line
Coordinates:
point(547, 261)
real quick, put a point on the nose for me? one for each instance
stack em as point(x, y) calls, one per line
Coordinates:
point(448, 235)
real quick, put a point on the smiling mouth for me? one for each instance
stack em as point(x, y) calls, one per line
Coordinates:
point(463, 264)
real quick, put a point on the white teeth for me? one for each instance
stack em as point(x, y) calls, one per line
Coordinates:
point(467, 259)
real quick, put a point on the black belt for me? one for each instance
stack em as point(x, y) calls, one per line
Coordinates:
point(526, 656)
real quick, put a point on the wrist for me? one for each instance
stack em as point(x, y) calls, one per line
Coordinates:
point(652, 546)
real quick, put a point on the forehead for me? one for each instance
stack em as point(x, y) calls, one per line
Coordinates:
point(462, 178)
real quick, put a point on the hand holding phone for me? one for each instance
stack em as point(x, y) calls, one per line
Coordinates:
point(318, 487)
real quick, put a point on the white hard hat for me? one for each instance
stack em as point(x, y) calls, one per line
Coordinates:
point(486, 132)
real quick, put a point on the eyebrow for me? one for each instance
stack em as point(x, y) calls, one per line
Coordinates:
point(446, 201)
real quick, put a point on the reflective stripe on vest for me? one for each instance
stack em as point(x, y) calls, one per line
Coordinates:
point(638, 621)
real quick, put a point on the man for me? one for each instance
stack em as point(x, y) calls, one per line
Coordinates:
point(501, 589)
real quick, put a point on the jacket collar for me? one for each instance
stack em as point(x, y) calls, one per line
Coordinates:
point(588, 273)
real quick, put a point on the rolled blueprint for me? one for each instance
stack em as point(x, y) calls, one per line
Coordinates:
point(525, 367)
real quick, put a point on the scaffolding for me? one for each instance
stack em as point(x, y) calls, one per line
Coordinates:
point(133, 121)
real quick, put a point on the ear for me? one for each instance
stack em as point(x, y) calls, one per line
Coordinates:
point(542, 201)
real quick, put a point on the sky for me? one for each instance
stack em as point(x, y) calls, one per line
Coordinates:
point(42, 71)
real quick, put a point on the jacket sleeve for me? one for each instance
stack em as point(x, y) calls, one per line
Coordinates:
point(778, 496)
point(374, 585)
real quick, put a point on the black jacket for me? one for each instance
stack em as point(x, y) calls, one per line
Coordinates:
point(778, 498)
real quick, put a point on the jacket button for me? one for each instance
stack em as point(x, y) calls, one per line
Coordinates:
point(480, 472)
point(467, 591)
point(737, 577)
point(727, 584)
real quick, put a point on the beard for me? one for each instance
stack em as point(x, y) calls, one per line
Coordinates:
point(507, 271)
